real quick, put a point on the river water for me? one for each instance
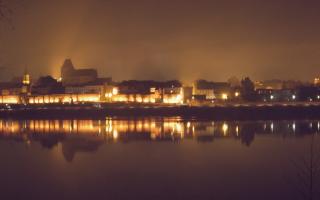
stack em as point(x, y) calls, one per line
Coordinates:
point(158, 158)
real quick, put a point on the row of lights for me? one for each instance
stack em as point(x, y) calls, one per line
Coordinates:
point(293, 97)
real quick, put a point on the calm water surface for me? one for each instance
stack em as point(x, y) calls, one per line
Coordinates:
point(156, 158)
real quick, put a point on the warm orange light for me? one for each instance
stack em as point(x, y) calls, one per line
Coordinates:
point(225, 129)
point(115, 91)
point(9, 99)
point(26, 79)
point(224, 96)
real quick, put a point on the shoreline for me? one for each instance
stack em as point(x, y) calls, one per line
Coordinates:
point(101, 111)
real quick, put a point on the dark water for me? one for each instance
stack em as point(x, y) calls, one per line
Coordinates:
point(158, 158)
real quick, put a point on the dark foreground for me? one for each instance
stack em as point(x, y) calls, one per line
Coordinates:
point(98, 111)
point(158, 158)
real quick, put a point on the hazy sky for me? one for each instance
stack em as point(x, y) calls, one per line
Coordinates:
point(165, 39)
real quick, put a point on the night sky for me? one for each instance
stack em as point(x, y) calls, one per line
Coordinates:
point(164, 39)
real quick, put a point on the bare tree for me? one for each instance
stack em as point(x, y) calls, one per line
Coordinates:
point(307, 169)
point(5, 11)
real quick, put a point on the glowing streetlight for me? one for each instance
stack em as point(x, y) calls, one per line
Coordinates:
point(294, 127)
point(237, 130)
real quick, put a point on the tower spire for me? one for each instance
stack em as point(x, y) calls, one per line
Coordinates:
point(26, 77)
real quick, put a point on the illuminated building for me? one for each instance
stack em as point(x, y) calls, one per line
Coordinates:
point(14, 91)
point(9, 99)
point(26, 78)
point(85, 89)
point(269, 84)
point(115, 91)
point(203, 88)
point(135, 98)
point(187, 94)
point(47, 91)
point(224, 96)
point(277, 84)
point(277, 95)
point(316, 81)
point(170, 92)
point(16, 86)
point(26, 83)
point(173, 99)
point(100, 87)
point(72, 76)
point(47, 85)
point(212, 90)
point(63, 98)
point(84, 81)
point(10, 88)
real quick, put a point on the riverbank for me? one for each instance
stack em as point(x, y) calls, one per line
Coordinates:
point(218, 112)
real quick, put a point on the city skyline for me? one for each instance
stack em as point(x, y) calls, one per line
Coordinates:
point(160, 99)
point(164, 40)
point(26, 70)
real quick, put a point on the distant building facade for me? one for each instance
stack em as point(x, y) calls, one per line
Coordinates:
point(63, 98)
point(16, 90)
point(208, 90)
point(269, 84)
point(47, 85)
point(277, 84)
point(101, 87)
point(269, 95)
point(148, 92)
point(316, 81)
point(72, 76)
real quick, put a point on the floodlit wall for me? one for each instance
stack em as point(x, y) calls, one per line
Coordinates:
point(64, 98)
point(138, 98)
point(9, 99)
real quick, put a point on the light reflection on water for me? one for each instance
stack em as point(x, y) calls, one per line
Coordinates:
point(152, 158)
point(93, 133)
point(156, 127)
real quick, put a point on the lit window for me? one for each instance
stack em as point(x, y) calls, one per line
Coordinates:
point(224, 96)
point(115, 91)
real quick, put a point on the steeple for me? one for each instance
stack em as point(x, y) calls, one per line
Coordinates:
point(68, 64)
point(26, 77)
point(67, 68)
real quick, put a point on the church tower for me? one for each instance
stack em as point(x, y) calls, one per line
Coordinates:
point(25, 89)
point(67, 69)
point(26, 78)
